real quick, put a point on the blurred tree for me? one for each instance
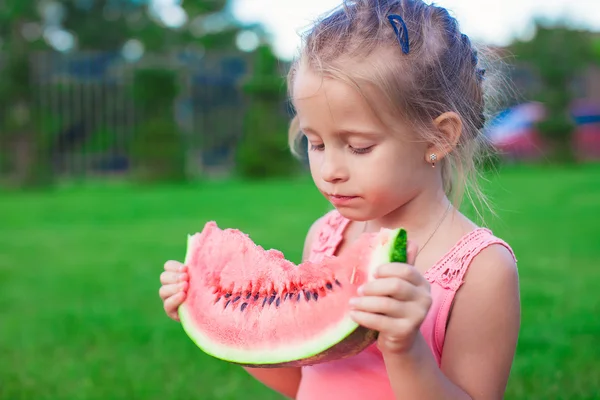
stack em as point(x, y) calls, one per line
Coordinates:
point(158, 148)
point(263, 151)
point(596, 49)
point(558, 54)
point(22, 148)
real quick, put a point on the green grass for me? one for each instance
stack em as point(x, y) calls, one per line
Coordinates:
point(79, 278)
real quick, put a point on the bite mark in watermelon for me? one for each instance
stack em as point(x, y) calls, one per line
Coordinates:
point(252, 307)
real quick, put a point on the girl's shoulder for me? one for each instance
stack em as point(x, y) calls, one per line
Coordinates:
point(479, 246)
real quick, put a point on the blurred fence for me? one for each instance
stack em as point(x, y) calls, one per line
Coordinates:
point(87, 113)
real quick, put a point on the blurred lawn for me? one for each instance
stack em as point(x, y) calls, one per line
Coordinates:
point(79, 270)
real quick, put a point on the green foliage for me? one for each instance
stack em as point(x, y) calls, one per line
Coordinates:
point(158, 152)
point(266, 82)
point(596, 50)
point(129, 19)
point(158, 149)
point(263, 151)
point(155, 89)
point(558, 54)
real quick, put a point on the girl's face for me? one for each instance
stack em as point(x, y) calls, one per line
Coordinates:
point(362, 168)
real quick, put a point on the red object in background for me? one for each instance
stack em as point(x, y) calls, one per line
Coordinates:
point(514, 133)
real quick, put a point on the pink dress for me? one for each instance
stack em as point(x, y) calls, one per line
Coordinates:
point(364, 376)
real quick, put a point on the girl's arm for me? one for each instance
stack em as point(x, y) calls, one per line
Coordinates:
point(480, 341)
point(284, 380)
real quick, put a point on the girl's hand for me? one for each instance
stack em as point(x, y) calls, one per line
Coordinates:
point(395, 303)
point(174, 282)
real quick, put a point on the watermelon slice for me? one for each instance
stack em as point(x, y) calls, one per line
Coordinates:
point(251, 306)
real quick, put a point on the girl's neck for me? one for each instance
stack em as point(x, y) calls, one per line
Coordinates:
point(419, 216)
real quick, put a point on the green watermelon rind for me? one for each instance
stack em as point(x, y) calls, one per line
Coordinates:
point(393, 250)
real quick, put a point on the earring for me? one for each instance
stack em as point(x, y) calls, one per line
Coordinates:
point(433, 158)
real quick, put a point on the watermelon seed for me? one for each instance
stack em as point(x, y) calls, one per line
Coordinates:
point(271, 299)
point(307, 295)
point(243, 307)
point(285, 296)
point(226, 304)
point(338, 283)
point(298, 298)
point(217, 300)
point(329, 286)
point(237, 298)
point(264, 301)
point(277, 302)
point(256, 296)
point(315, 296)
point(248, 295)
point(227, 295)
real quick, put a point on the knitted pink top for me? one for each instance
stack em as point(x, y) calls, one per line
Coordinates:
point(364, 376)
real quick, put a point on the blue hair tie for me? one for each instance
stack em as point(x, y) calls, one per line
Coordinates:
point(401, 35)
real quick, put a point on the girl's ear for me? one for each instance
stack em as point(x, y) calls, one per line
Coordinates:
point(449, 126)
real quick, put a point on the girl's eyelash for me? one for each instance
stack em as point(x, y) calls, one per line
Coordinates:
point(363, 150)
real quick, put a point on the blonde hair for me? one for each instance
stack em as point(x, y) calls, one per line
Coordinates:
point(442, 72)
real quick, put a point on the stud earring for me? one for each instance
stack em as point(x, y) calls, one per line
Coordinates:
point(433, 158)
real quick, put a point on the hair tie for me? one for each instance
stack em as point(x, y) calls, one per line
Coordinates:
point(401, 35)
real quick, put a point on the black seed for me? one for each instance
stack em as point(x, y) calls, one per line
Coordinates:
point(277, 302)
point(285, 296)
point(338, 283)
point(227, 295)
point(256, 296)
point(329, 286)
point(271, 299)
point(243, 307)
point(315, 296)
point(226, 304)
point(248, 295)
point(307, 295)
point(264, 301)
point(217, 300)
point(237, 298)
point(298, 298)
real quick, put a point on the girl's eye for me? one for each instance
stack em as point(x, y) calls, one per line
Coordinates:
point(363, 150)
point(317, 147)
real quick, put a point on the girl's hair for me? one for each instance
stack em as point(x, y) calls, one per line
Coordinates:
point(441, 72)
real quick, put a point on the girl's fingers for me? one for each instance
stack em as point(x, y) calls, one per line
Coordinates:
point(175, 266)
point(393, 287)
point(403, 271)
point(172, 303)
point(411, 252)
point(167, 291)
point(379, 305)
point(168, 277)
point(381, 323)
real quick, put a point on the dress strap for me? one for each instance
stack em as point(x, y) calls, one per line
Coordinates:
point(329, 235)
point(449, 272)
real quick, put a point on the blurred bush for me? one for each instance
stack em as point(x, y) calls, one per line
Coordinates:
point(158, 149)
point(263, 149)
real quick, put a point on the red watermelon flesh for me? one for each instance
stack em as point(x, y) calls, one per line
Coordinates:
point(251, 306)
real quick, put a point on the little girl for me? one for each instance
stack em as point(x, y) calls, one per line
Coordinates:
point(389, 95)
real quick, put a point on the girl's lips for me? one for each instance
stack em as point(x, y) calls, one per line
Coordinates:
point(339, 200)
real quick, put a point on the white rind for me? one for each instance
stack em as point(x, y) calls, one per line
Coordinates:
point(290, 351)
